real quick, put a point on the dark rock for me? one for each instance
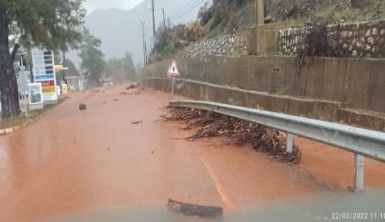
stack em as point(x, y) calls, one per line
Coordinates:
point(82, 107)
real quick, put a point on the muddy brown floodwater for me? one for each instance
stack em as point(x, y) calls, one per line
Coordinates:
point(72, 161)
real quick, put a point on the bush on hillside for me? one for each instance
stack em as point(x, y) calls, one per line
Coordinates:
point(194, 31)
point(204, 14)
point(326, 11)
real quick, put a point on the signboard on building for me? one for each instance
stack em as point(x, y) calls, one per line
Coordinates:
point(44, 73)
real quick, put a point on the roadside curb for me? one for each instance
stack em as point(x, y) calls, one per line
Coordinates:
point(15, 128)
point(9, 130)
point(23, 125)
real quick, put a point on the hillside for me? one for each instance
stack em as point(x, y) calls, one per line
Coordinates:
point(326, 11)
point(231, 16)
point(120, 30)
point(222, 17)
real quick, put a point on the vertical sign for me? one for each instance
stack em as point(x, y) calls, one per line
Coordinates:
point(44, 73)
point(35, 93)
point(172, 72)
point(173, 69)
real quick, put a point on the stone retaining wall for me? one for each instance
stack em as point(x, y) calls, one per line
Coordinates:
point(363, 39)
point(231, 44)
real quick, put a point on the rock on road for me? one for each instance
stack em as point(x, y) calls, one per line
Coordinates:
point(72, 161)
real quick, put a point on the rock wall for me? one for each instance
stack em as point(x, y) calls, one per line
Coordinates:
point(231, 44)
point(364, 39)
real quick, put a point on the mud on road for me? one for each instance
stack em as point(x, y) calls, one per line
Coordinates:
point(72, 161)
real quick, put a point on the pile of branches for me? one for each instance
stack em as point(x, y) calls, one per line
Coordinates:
point(238, 132)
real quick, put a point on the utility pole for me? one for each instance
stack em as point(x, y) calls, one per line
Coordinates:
point(153, 17)
point(260, 10)
point(164, 21)
point(144, 44)
point(145, 53)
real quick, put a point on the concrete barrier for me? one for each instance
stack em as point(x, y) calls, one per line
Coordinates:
point(358, 82)
point(340, 90)
point(312, 108)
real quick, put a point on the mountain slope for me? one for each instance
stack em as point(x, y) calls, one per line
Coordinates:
point(120, 30)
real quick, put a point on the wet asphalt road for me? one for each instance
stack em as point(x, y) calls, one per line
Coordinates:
point(69, 162)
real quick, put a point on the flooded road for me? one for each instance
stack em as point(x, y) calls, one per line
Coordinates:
point(69, 162)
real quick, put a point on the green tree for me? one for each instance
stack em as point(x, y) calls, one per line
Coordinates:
point(49, 23)
point(92, 58)
point(71, 36)
point(129, 66)
point(72, 70)
point(126, 63)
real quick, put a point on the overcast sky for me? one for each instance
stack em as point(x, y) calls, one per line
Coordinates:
point(92, 5)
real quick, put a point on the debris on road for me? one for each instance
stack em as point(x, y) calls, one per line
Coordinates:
point(82, 107)
point(179, 138)
point(135, 93)
point(132, 86)
point(195, 210)
point(239, 132)
point(137, 122)
point(138, 93)
point(89, 96)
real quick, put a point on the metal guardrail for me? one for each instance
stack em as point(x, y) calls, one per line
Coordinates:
point(360, 141)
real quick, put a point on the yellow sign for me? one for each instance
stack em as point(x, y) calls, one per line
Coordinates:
point(64, 88)
point(49, 89)
point(59, 68)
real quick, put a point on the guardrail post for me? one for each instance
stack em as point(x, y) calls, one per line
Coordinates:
point(289, 142)
point(359, 163)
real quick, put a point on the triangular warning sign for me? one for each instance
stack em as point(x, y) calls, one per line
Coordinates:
point(173, 69)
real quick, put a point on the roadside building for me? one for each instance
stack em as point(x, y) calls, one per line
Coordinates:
point(107, 82)
point(77, 83)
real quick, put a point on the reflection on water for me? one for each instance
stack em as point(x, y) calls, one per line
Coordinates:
point(13, 164)
point(3, 170)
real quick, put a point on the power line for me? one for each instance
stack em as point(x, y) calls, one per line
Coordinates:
point(180, 9)
point(183, 8)
point(189, 10)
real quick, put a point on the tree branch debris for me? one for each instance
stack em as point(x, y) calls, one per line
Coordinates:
point(238, 132)
point(193, 209)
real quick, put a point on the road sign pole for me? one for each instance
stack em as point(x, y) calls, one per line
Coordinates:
point(173, 88)
point(172, 72)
